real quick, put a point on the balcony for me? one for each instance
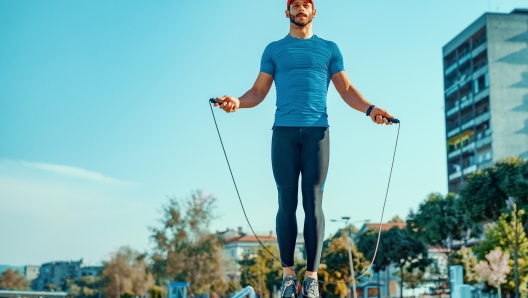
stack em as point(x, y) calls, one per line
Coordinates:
point(470, 169)
point(481, 47)
point(477, 73)
point(451, 89)
point(464, 58)
point(466, 148)
point(469, 147)
point(453, 110)
point(468, 124)
point(450, 69)
point(455, 175)
point(485, 165)
point(481, 95)
point(483, 142)
point(454, 153)
point(482, 118)
point(453, 132)
point(466, 101)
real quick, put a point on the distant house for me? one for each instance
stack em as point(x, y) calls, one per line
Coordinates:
point(237, 243)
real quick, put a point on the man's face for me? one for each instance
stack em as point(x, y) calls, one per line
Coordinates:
point(301, 12)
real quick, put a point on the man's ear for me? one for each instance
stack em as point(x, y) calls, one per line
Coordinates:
point(314, 12)
point(287, 13)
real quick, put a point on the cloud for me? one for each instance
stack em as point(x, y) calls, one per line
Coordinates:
point(71, 212)
point(74, 172)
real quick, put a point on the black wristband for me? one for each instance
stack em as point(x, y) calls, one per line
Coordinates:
point(370, 109)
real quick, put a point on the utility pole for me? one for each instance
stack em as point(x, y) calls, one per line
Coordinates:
point(352, 273)
point(345, 219)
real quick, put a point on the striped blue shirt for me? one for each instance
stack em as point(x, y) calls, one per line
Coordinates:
point(302, 70)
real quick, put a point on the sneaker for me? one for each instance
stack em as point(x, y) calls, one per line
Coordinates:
point(310, 288)
point(290, 287)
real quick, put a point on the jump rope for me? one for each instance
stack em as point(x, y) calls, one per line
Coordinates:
point(353, 280)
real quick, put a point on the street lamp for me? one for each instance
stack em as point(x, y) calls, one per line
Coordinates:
point(345, 219)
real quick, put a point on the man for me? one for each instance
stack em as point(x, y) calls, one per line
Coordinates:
point(302, 65)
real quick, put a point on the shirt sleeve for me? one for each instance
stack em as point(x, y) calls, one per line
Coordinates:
point(336, 64)
point(266, 63)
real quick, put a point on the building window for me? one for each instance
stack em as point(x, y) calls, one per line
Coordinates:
point(372, 292)
point(479, 38)
point(481, 83)
point(480, 61)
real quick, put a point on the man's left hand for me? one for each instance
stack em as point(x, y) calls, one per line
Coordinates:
point(379, 116)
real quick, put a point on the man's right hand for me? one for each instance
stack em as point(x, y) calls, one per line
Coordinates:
point(229, 103)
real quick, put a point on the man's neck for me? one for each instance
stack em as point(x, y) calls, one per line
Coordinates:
point(301, 32)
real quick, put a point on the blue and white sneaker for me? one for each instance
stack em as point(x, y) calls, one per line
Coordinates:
point(310, 288)
point(290, 287)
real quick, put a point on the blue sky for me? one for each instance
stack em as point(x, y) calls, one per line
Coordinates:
point(103, 114)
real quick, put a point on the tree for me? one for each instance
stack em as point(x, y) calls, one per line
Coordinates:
point(487, 191)
point(494, 271)
point(490, 192)
point(156, 292)
point(397, 219)
point(12, 280)
point(51, 288)
point(185, 249)
point(335, 266)
point(439, 221)
point(126, 272)
point(260, 264)
point(85, 287)
point(412, 278)
point(511, 229)
point(233, 286)
point(404, 250)
point(508, 235)
point(464, 256)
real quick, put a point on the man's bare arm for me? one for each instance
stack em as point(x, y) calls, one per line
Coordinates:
point(355, 100)
point(251, 98)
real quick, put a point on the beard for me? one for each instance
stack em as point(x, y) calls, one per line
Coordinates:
point(301, 23)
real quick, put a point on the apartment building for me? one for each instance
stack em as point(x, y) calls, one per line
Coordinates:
point(486, 94)
point(57, 273)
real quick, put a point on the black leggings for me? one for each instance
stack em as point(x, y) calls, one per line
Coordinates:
point(294, 151)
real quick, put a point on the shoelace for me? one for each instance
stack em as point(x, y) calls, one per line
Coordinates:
point(289, 288)
point(312, 288)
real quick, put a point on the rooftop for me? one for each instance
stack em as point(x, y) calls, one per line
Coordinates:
point(386, 226)
point(252, 238)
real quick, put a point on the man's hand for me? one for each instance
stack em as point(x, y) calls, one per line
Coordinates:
point(229, 104)
point(379, 116)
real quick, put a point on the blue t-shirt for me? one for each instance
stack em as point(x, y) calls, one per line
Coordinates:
point(302, 70)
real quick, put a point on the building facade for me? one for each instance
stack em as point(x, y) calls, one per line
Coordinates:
point(31, 272)
point(55, 274)
point(486, 94)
